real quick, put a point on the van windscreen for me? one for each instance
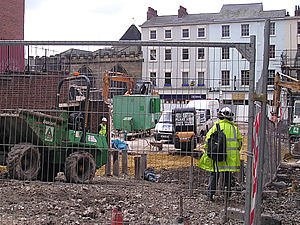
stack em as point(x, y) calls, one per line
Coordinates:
point(166, 118)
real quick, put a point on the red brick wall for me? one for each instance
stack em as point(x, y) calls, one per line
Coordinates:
point(12, 19)
point(12, 28)
point(29, 92)
point(39, 92)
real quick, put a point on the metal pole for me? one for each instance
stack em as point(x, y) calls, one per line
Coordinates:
point(28, 62)
point(250, 130)
point(262, 130)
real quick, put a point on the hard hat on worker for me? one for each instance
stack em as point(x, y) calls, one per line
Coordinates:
point(104, 119)
point(226, 113)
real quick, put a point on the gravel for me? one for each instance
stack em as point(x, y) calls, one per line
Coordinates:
point(142, 202)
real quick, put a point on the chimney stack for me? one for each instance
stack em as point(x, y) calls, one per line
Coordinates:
point(151, 13)
point(182, 12)
point(297, 10)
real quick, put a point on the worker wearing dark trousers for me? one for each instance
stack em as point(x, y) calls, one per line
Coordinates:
point(102, 128)
point(233, 146)
point(213, 181)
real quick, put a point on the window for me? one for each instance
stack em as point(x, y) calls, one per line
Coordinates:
point(200, 53)
point(201, 32)
point(225, 78)
point(271, 77)
point(167, 78)
point(272, 52)
point(185, 78)
point(185, 54)
point(245, 77)
point(298, 29)
point(153, 54)
point(272, 28)
point(227, 102)
point(238, 102)
point(245, 30)
point(225, 53)
point(168, 34)
point(185, 33)
point(152, 34)
point(200, 78)
point(225, 31)
point(153, 78)
point(168, 55)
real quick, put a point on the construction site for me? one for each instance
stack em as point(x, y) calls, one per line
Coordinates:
point(103, 132)
point(57, 169)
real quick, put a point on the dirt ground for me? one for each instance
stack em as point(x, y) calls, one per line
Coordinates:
point(142, 202)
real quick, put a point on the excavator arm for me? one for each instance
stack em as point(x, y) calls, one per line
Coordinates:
point(115, 76)
point(293, 85)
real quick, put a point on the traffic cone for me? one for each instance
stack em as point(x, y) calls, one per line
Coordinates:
point(117, 216)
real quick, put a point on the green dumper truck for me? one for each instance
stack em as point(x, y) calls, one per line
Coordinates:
point(37, 145)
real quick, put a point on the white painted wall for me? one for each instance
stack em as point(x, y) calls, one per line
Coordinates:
point(213, 64)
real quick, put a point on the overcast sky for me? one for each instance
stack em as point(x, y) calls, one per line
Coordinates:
point(99, 20)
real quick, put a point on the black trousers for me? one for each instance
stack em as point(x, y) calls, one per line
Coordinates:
point(213, 181)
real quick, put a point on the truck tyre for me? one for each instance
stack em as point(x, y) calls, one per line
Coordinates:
point(23, 162)
point(80, 167)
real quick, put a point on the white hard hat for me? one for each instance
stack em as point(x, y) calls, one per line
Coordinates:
point(226, 112)
point(104, 119)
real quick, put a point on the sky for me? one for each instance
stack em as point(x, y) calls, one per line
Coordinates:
point(99, 20)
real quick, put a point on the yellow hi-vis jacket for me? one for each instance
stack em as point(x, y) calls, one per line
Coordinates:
point(233, 146)
point(102, 129)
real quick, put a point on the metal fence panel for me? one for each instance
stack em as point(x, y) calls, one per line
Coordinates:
point(152, 180)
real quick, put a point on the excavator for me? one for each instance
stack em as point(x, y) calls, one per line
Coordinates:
point(293, 86)
point(133, 87)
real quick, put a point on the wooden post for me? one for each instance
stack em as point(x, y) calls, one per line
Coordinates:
point(180, 207)
point(225, 216)
point(108, 164)
point(241, 174)
point(143, 164)
point(116, 163)
point(125, 162)
point(137, 167)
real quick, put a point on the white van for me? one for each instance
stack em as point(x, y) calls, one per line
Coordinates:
point(164, 128)
point(207, 111)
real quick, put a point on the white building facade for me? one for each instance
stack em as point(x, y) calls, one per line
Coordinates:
point(216, 73)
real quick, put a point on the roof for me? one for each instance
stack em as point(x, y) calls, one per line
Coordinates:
point(73, 51)
point(131, 34)
point(228, 13)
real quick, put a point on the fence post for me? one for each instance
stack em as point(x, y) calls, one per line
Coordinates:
point(191, 173)
point(262, 133)
point(251, 115)
point(125, 162)
point(241, 174)
point(108, 164)
point(143, 164)
point(115, 163)
point(137, 168)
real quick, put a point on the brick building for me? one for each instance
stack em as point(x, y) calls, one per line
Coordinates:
point(12, 28)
